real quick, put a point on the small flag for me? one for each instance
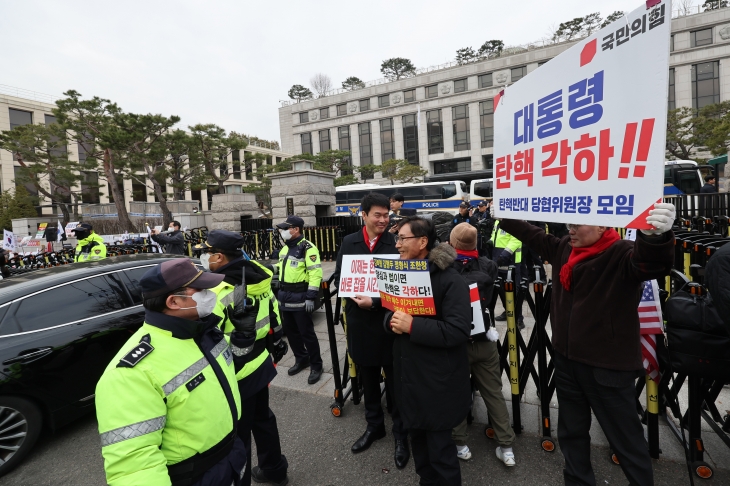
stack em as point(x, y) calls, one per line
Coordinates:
point(59, 231)
point(9, 241)
point(650, 321)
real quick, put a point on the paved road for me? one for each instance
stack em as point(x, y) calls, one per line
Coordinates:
point(317, 446)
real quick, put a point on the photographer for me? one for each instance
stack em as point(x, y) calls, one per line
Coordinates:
point(173, 240)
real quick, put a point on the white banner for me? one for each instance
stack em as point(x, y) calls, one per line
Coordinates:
point(69, 227)
point(581, 139)
point(357, 275)
point(477, 319)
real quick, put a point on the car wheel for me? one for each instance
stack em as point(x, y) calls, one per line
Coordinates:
point(20, 426)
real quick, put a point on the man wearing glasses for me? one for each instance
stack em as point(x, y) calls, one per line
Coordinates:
point(430, 361)
point(370, 346)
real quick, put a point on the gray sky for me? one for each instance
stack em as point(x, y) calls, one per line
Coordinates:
point(230, 63)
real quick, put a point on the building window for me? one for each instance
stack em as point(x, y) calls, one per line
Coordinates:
point(409, 96)
point(387, 144)
point(460, 85)
point(485, 81)
point(383, 101)
point(18, 117)
point(488, 162)
point(364, 105)
point(233, 189)
point(90, 188)
point(486, 123)
point(85, 146)
point(139, 191)
point(461, 127)
point(701, 37)
point(59, 151)
point(341, 110)
point(366, 147)
point(324, 113)
point(672, 102)
point(249, 173)
point(306, 143)
point(236, 155)
point(453, 165)
point(705, 84)
point(304, 117)
point(278, 159)
point(410, 139)
point(343, 135)
point(432, 91)
point(324, 140)
point(671, 43)
point(435, 131)
point(518, 73)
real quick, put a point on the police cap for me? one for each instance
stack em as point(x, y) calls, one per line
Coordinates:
point(174, 274)
point(291, 221)
point(222, 240)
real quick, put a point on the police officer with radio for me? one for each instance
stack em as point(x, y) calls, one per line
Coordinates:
point(90, 246)
point(300, 275)
point(245, 298)
point(166, 404)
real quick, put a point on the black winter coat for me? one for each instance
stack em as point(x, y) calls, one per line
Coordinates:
point(174, 242)
point(430, 365)
point(367, 341)
point(717, 279)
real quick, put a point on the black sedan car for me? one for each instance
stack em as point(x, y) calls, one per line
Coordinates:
point(59, 329)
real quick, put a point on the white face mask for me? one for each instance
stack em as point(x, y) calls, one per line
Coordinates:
point(171, 228)
point(286, 234)
point(205, 299)
point(205, 261)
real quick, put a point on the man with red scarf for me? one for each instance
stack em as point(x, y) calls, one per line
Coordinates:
point(597, 284)
point(368, 343)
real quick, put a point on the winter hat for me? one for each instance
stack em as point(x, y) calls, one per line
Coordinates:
point(463, 237)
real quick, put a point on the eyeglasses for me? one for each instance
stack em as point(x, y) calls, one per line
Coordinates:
point(575, 227)
point(399, 238)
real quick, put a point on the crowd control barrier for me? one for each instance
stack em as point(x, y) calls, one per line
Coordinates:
point(697, 238)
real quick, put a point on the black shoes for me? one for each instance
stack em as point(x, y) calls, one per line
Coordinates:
point(299, 366)
point(314, 376)
point(258, 475)
point(501, 317)
point(367, 439)
point(402, 453)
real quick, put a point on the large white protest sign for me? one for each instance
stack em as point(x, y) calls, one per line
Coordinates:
point(357, 276)
point(581, 139)
point(405, 285)
point(70, 227)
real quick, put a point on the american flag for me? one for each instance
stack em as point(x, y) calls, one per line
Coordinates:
point(650, 320)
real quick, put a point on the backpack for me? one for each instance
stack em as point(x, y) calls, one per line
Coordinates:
point(697, 339)
point(482, 272)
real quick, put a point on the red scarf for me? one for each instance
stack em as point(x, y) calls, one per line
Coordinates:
point(577, 255)
point(468, 253)
point(367, 239)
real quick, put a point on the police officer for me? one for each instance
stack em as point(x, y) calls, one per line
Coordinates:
point(300, 274)
point(166, 404)
point(464, 215)
point(483, 221)
point(90, 246)
point(506, 251)
point(221, 254)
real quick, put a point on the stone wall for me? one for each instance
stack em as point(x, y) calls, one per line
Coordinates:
point(308, 188)
point(227, 210)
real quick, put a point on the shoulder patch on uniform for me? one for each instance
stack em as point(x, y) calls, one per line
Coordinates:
point(195, 382)
point(146, 338)
point(313, 258)
point(136, 355)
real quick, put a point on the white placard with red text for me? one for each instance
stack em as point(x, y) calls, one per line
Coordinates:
point(357, 275)
point(581, 139)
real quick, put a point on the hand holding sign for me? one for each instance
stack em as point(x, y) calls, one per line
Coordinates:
point(363, 301)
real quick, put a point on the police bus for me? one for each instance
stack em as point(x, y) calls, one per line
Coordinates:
point(680, 177)
point(424, 196)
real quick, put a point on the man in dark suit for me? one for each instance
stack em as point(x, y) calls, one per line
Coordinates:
point(370, 347)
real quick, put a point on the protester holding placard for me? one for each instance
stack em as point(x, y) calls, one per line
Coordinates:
point(430, 363)
point(599, 279)
point(480, 273)
point(370, 347)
